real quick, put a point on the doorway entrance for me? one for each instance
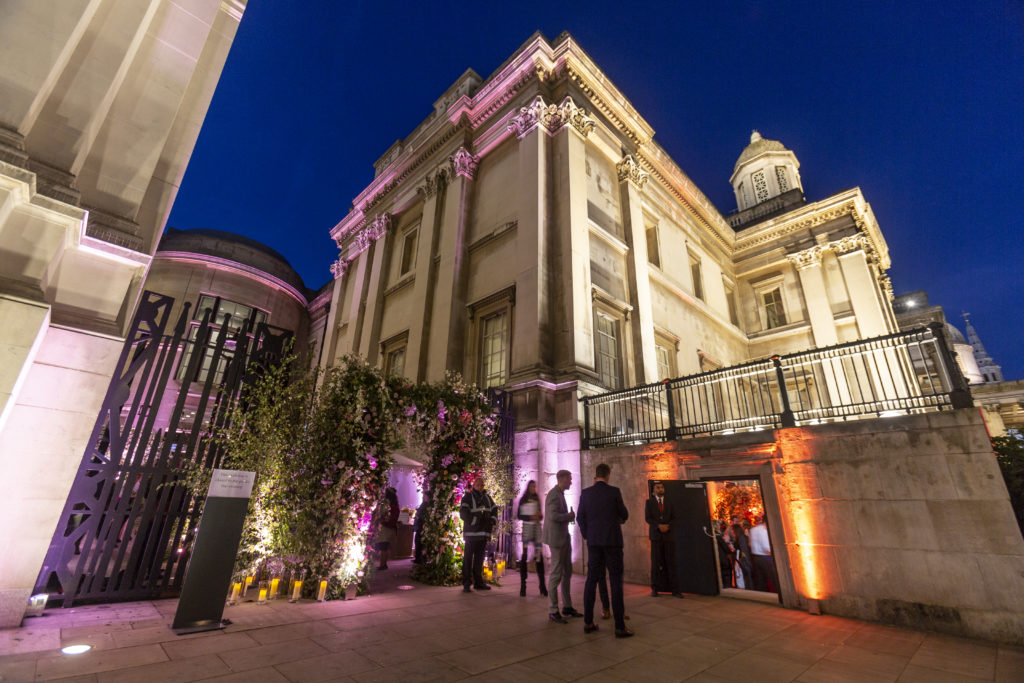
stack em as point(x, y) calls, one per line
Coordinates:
point(746, 565)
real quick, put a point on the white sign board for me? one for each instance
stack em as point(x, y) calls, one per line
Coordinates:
point(231, 484)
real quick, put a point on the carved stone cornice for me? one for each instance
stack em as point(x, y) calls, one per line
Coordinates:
point(464, 163)
point(362, 240)
point(428, 188)
point(629, 170)
point(552, 118)
point(380, 225)
point(339, 267)
point(850, 243)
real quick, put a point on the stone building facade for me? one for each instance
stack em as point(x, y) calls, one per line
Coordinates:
point(532, 235)
point(100, 106)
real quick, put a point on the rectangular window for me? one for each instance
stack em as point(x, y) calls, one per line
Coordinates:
point(730, 302)
point(394, 362)
point(653, 255)
point(608, 352)
point(774, 314)
point(240, 313)
point(494, 350)
point(408, 253)
point(698, 280)
point(664, 366)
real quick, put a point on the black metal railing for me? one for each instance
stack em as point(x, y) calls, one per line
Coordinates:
point(906, 372)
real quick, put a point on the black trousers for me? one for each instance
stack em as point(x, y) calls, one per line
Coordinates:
point(765, 578)
point(601, 557)
point(473, 561)
point(663, 563)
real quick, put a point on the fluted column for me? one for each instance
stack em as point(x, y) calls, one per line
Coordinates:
point(819, 309)
point(449, 310)
point(369, 338)
point(425, 286)
point(631, 182)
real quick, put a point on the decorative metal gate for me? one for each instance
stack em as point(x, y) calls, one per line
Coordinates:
point(126, 529)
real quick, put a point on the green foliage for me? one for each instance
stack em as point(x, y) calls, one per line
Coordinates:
point(1010, 456)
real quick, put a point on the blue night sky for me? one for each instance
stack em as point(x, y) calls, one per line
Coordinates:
point(919, 104)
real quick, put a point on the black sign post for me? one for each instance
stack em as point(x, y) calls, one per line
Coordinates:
point(208, 576)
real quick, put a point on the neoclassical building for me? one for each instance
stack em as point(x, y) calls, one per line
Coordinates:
point(531, 234)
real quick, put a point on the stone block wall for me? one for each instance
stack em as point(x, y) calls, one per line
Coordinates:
point(904, 520)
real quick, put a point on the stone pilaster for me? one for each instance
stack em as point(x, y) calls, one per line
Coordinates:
point(424, 288)
point(819, 309)
point(631, 182)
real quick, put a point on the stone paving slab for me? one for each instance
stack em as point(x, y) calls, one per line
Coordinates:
point(429, 633)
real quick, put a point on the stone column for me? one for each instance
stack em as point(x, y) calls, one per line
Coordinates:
point(425, 286)
point(369, 338)
point(530, 339)
point(631, 181)
point(863, 290)
point(819, 309)
point(358, 273)
point(449, 309)
point(573, 325)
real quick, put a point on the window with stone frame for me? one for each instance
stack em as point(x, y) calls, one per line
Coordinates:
point(219, 307)
point(393, 353)
point(696, 275)
point(408, 260)
point(730, 302)
point(494, 342)
point(760, 186)
point(665, 349)
point(653, 248)
point(608, 349)
point(782, 178)
point(492, 321)
point(774, 312)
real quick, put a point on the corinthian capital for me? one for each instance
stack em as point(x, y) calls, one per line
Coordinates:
point(629, 170)
point(806, 258)
point(464, 163)
point(849, 243)
point(572, 115)
point(338, 268)
point(379, 226)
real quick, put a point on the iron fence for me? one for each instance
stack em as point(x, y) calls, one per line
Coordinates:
point(906, 372)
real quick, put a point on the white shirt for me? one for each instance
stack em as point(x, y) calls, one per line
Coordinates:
point(759, 543)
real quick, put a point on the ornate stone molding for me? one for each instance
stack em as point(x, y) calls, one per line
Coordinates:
point(428, 188)
point(887, 287)
point(464, 163)
point(629, 170)
point(339, 267)
point(381, 224)
point(575, 116)
point(807, 258)
point(812, 256)
point(850, 243)
point(362, 240)
point(539, 114)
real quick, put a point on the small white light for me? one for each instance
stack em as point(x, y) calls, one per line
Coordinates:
point(75, 649)
point(405, 588)
point(890, 413)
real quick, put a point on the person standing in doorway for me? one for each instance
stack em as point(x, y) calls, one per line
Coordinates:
point(479, 513)
point(765, 578)
point(659, 516)
point(557, 517)
point(531, 516)
point(601, 516)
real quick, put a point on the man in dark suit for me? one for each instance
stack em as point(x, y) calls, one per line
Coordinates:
point(600, 517)
point(659, 516)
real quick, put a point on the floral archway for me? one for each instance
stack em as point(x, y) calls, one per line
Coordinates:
point(321, 445)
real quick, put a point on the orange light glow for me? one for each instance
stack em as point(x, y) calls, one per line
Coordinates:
point(802, 485)
point(806, 549)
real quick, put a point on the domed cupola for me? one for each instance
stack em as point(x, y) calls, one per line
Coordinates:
point(765, 169)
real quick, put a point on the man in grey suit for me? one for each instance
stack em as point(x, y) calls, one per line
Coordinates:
point(556, 536)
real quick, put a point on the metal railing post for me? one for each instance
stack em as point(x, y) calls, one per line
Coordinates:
point(670, 435)
point(959, 393)
point(786, 417)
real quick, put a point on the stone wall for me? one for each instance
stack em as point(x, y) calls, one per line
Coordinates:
point(904, 520)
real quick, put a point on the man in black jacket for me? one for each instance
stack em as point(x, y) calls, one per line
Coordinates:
point(600, 517)
point(659, 516)
point(479, 514)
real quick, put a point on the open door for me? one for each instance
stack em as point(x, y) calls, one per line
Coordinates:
point(696, 570)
